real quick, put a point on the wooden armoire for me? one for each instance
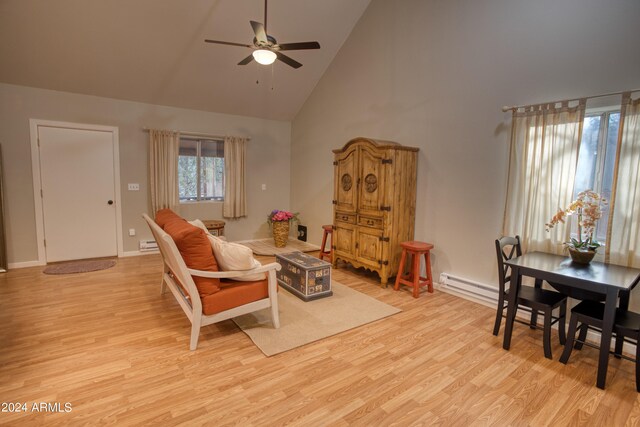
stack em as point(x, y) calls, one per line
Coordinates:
point(374, 204)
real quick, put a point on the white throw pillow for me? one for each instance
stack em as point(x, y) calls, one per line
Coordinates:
point(199, 224)
point(234, 257)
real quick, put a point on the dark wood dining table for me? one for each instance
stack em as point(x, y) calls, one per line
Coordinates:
point(604, 280)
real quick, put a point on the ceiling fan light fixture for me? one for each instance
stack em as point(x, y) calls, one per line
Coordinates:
point(264, 56)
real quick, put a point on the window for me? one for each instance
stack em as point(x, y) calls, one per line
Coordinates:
point(596, 161)
point(200, 170)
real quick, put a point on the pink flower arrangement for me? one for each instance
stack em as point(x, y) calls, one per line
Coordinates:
point(278, 215)
point(588, 208)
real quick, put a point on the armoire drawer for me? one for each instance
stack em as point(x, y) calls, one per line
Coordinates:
point(370, 222)
point(345, 217)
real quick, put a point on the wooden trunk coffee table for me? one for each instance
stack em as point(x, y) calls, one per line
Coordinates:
point(305, 276)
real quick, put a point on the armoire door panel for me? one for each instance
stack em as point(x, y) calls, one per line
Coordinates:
point(344, 239)
point(345, 181)
point(371, 183)
point(369, 246)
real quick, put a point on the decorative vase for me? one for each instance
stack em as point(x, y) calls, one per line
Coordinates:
point(280, 233)
point(582, 257)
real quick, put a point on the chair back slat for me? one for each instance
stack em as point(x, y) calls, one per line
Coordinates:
point(506, 248)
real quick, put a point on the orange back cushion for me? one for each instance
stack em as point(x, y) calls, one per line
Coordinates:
point(196, 251)
point(165, 215)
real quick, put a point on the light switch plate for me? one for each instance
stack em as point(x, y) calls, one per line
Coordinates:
point(134, 187)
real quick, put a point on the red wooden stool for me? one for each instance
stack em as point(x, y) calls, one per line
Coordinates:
point(327, 230)
point(413, 278)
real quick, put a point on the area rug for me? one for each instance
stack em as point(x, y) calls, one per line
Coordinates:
point(267, 247)
point(305, 322)
point(79, 266)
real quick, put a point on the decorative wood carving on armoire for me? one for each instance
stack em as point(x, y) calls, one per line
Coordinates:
point(374, 203)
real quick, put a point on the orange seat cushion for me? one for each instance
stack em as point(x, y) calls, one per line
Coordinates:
point(196, 252)
point(233, 294)
point(165, 215)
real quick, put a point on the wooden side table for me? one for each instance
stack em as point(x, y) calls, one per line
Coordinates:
point(215, 226)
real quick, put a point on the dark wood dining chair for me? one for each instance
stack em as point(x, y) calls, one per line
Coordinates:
point(590, 315)
point(532, 299)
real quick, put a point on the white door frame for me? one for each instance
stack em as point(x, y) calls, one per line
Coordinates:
point(37, 183)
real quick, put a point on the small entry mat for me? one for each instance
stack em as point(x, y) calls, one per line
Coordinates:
point(81, 266)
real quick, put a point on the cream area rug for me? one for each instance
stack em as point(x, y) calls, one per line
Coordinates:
point(267, 247)
point(304, 322)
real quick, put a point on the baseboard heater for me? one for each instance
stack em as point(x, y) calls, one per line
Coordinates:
point(469, 288)
point(148, 246)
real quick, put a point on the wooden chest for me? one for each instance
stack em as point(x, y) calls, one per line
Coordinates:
point(305, 276)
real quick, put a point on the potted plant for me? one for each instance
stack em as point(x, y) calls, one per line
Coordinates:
point(279, 222)
point(588, 208)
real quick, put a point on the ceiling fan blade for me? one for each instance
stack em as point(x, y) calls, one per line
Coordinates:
point(246, 60)
point(299, 46)
point(289, 61)
point(258, 29)
point(228, 43)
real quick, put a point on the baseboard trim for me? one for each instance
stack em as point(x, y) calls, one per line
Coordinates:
point(25, 264)
point(138, 253)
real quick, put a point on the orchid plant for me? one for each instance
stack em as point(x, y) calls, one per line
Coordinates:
point(588, 208)
point(278, 215)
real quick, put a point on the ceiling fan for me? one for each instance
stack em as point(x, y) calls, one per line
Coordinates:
point(266, 48)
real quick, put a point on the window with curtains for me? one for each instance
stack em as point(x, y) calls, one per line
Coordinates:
point(559, 149)
point(200, 169)
point(596, 161)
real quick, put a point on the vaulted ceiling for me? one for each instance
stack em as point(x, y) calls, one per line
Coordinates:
point(153, 51)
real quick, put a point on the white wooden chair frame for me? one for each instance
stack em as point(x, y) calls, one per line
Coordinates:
point(173, 263)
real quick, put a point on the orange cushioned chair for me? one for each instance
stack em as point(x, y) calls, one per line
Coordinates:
point(191, 273)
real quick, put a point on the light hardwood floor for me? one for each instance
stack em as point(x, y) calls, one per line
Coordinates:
point(117, 351)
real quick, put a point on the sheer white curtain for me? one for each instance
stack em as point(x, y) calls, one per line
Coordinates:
point(235, 196)
point(545, 141)
point(623, 241)
point(164, 146)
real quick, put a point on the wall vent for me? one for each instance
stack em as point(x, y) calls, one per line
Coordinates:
point(469, 288)
point(148, 246)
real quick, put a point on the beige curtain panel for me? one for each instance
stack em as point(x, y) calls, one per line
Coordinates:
point(164, 147)
point(623, 241)
point(235, 196)
point(545, 141)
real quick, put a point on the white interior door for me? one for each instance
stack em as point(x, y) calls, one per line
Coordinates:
point(78, 193)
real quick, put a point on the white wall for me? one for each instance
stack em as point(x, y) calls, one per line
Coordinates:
point(434, 75)
point(268, 160)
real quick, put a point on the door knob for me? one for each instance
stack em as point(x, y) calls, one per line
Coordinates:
point(110, 202)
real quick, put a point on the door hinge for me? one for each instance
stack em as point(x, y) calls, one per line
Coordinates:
point(384, 239)
point(41, 193)
point(38, 142)
point(383, 262)
point(385, 208)
point(335, 202)
point(333, 247)
point(387, 161)
point(45, 243)
point(335, 163)
point(357, 246)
